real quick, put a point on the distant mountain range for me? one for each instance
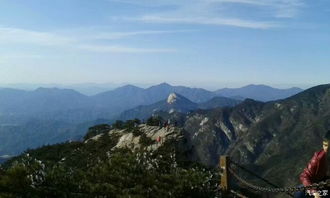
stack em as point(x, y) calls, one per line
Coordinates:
point(176, 103)
point(70, 105)
point(275, 139)
point(88, 89)
point(23, 114)
point(258, 92)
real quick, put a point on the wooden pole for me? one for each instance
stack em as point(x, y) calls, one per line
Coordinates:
point(224, 182)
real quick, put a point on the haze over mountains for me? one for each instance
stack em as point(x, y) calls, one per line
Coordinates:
point(50, 115)
point(60, 103)
point(269, 138)
point(176, 103)
point(258, 92)
point(88, 89)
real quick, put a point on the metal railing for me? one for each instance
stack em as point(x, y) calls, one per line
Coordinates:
point(227, 170)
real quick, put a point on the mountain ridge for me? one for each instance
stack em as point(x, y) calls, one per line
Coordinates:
point(70, 108)
point(175, 103)
point(259, 92)
point(269, 138)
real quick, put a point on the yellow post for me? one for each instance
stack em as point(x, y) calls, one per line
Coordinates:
point(224, 182)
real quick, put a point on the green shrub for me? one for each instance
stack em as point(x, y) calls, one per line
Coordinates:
point(154, 121)
point(136, 132)
point(146, 141)
point(129, 124)
point(98, 129)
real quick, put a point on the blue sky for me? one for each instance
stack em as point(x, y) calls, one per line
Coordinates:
point(199, 43)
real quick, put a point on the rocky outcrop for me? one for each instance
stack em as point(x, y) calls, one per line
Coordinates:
point(143, 136)
point(270, 138)
point(275, 139)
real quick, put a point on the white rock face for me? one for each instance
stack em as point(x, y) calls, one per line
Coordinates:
point(250, 147)
point(204, 121)
point(278, 106)
point(171, 111)
point(225, 129)
point(95, 137)
point(172, 98)
point(128, 140)
point(242, 127)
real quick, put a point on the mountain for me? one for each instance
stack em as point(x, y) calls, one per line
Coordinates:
point(34, 133)
point(70, 106)
point(133, 96)
point(50, 104)
point(67, 104)
point(117, 162)
point(49, 115)
point(84, 88)
point(9, 98)
point(64, 109)
point(270, 138)
point(196, 95)
point(90, 89)
point(274, 139)
point(175, 103)
point(258, 92)
point(30, 119)
point(219, 101)
point(128, 97)
point(41, 100)
point(120, 99)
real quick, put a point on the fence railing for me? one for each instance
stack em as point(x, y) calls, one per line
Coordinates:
point(227, 172)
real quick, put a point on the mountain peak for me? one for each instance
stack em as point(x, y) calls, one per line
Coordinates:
point(255, 86)
point(164, 84)
point(129, 86)
point(258, 92)
point(172, 98)
point(165, 87)
point(55, 90)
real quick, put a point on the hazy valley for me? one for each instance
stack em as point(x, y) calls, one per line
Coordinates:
point(267, 137)
point(29, 119)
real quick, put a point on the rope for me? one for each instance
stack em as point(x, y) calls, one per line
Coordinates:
point(238, 194)
point(252, 173)
point(259, 177)
point(277, 190)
